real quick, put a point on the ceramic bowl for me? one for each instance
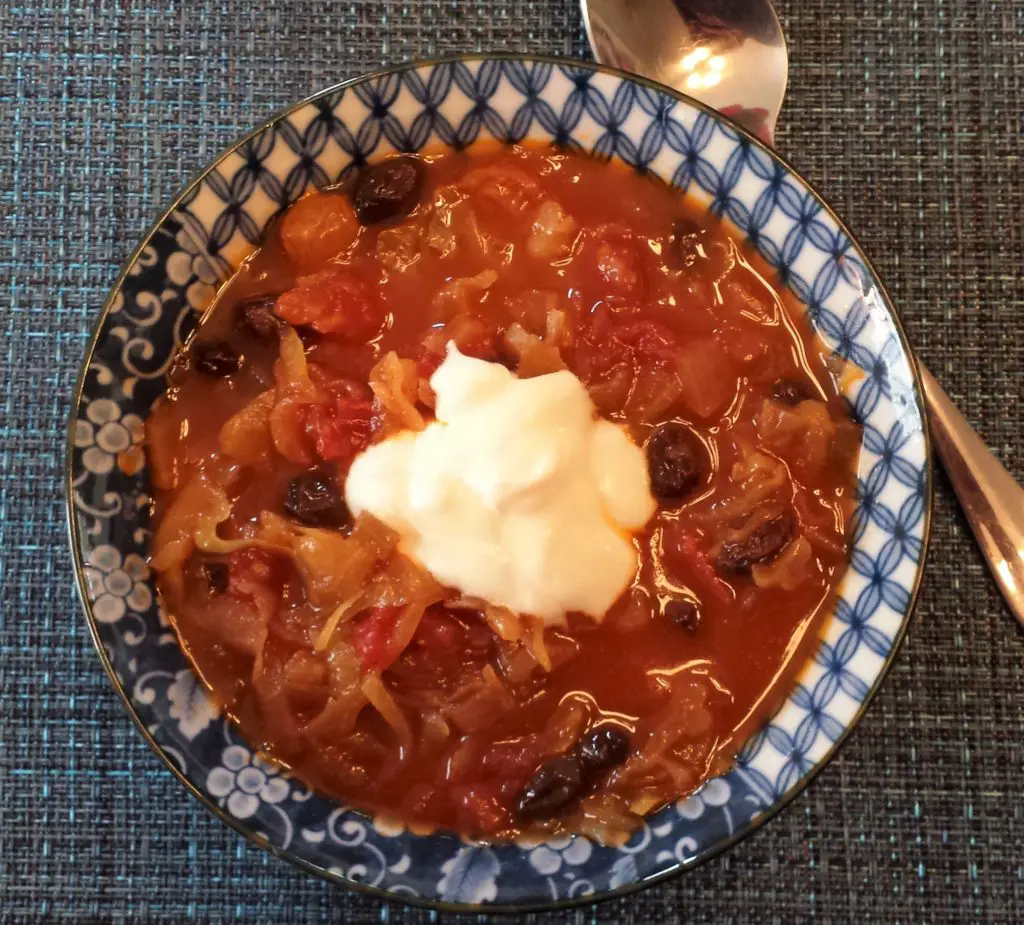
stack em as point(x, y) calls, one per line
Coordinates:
point(218, 220)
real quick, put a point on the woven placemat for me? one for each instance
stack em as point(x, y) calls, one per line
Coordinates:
point(906, 113)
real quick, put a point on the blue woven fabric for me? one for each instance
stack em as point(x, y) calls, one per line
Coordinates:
point(906, 115)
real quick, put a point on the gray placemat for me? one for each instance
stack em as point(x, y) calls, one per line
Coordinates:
point(906, 114)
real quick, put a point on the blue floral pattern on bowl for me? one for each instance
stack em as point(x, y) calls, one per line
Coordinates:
point(218, 221)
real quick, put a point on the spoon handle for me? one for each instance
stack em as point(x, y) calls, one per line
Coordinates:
point(989, 495)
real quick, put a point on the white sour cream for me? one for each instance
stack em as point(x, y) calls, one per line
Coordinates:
point(518, 493)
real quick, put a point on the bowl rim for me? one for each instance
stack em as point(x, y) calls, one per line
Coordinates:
point(381, 893)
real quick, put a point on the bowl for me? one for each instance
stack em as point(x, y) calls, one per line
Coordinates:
point(217, 221)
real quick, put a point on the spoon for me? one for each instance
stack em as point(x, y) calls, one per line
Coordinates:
point(731, 55)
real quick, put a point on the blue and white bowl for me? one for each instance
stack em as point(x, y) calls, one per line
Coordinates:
point(218, 220)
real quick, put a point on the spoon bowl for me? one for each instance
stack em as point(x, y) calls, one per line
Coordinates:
point(729, 55)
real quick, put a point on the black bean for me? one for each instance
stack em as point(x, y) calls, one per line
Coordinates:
point(216, 358)
point(603, 748)
point(255, 317)
point(684, 242)
point(762, 545)
point(387, 190)
point(216, 574)
point(792, 391)
point(676, 461)
point(315, 498)
point(684, 613)
point(554, 787)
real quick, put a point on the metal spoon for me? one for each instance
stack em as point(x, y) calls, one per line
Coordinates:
point(731, 54)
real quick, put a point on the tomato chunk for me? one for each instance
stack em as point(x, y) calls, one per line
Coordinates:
point(340, 428)
point(371, 638)
point(685, 551)
point(333, 301)
point(610, 336)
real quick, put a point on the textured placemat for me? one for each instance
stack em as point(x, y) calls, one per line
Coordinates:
point(906, 113)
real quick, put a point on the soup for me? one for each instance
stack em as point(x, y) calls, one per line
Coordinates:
point(375, 633)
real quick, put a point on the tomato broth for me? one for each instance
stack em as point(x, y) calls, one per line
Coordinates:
point(418, 703)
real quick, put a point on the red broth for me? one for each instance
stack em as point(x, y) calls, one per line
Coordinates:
point(450, 713)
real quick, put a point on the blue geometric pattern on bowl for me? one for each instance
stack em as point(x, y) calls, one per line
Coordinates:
point(218, 221)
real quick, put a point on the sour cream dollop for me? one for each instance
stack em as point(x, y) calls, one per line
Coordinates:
point(518, 493)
